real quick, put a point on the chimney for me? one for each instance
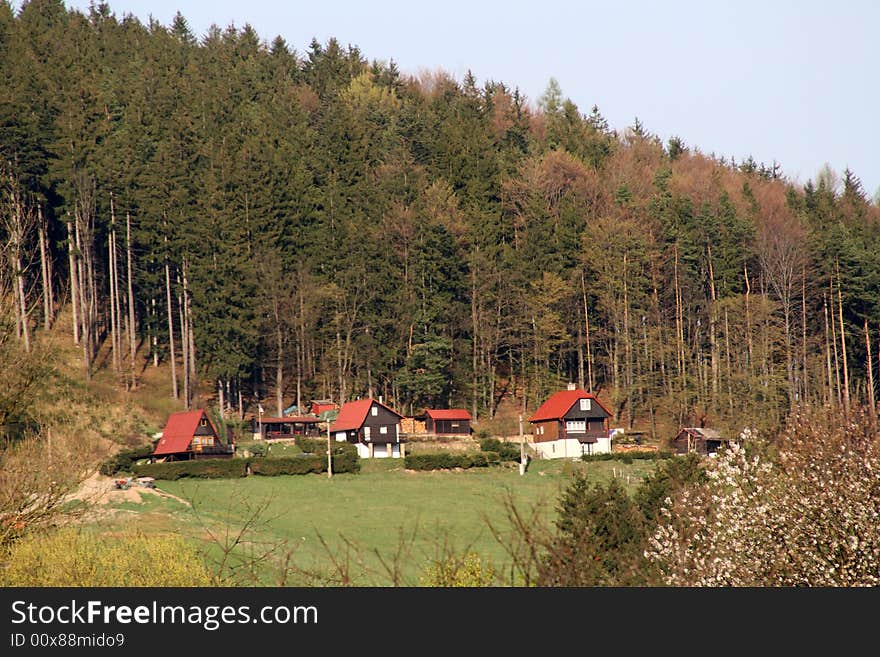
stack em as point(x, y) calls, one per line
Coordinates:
point(572, 386)
point(380, 399)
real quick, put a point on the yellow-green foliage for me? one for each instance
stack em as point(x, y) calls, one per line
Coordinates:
point(74, 557)
point(468, 571)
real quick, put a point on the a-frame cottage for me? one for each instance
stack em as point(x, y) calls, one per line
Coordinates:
point(191, 435)
point(372, 426)
point(569, 424)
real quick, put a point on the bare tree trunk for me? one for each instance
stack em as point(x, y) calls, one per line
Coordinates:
point(22, 300)
point(748, 323)
point(805, 382)
point(85, 308)
point(842, 342)
point(193, 378)
point(184, 338)
point(869, 365)
point(132, 324)
point(44, 272)
point(836, 349)
point(590, 379)
point(279, 369)
point(74, 287)
point(474, 343)
point(713, 322)
point(112, 270)
point(829, 394)
point(172, 356)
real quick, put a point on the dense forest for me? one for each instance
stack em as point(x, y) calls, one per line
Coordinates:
point(289, 225)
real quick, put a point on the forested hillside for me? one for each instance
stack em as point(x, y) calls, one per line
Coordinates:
point(293, 224)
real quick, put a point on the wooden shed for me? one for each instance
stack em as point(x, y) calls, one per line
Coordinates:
point(448, 421)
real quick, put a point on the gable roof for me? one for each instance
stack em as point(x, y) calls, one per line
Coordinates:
point(179, 431)
point(353, 414)
point(701, 432)
point(448, 414)
point(559, 404)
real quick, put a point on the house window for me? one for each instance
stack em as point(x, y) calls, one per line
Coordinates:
point(383, 429)
point(585, 404)
point(576, 426)
point(340, 436)
point(374, 411)
point(197, 441)
point(203, 422)
point(366, 433)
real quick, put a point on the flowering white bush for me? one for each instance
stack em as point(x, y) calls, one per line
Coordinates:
point(808, 517)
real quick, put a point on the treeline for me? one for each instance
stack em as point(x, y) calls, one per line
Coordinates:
point(319, 225)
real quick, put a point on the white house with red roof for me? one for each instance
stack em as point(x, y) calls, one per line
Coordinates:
point(372, 426)
point(190, 435)
point(569, 424)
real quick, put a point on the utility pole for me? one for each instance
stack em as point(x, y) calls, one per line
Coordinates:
point(522, 449)
point(329, 453)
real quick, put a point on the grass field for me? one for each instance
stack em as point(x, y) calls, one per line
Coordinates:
point(384, 515)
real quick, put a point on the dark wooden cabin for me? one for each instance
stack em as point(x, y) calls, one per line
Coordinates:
point(287, 427)
point(705, 442)
point(372, 426)
point(571, 414)
point(191, 435)
point(448, 421)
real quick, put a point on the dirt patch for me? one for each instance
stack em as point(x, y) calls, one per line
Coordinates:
point(101, 490)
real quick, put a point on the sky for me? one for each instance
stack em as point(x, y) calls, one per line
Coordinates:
point(795, 82)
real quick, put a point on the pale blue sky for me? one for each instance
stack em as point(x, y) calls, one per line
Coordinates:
point(778, 79)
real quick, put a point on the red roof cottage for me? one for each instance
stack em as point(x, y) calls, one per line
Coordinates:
point(571, 423)
point(448, 421)
point(372, 426)
point(191, 435)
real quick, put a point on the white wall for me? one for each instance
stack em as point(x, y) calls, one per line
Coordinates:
point(569, 448)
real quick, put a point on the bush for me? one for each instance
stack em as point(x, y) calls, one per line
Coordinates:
point(506, 451)
point(446, 460)
point(629, 456)
point(319, 446)
point(73, 557)
point(200, 468)
point(123, 460)
point(467, 570)
point(289, 465)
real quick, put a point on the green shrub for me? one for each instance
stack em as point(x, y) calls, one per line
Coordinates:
point(199, 468)
point(123, 460)
point(467, 570)
point(629, 456)
point(507, 451)
point(446, 460)
point(289, 465)
point(319, 446)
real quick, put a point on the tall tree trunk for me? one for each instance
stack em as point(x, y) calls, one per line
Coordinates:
point(22, 300)
point(590, 379)
point(45, 275)
point(172, 356)
point(842, 341)
point(132, 325)
point(279, 369)
point(74, 287)
point(713, 323)
point(805, 375)
point(112, 271)
point(184, 339)
point(869, 366)
point(829, 396)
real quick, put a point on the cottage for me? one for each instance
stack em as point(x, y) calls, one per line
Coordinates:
point(703, 441)
point(287, 427)
point(191, 435)
point(448, 421)
point(372, 426)
point(569, 424)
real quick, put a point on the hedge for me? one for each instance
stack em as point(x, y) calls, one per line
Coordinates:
point(304, 464)
point(123, 460)
point(447, 460)
point(506, 451)
point(199, 468)
point(629, 456)
point(318, 446)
